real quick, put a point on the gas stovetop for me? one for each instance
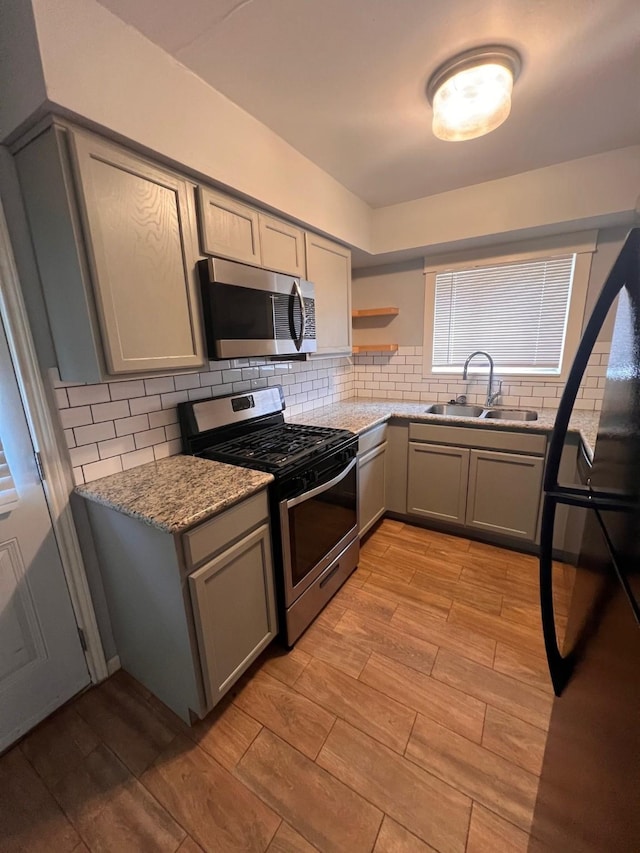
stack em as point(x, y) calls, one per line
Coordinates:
point(249, 430)
point(279, 448)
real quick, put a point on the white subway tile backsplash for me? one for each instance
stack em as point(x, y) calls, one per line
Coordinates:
point(137, 457)
point(168, 448)
point(126, 390)
point(86, 395)
point(162, 418)
point(173, 398)
point(189, 380)
point(126, 426)
point(163, 385)
point(102, 469)
point(149, 437)
point(110, 411)
point(140, 405)
point(94, 432)
point(116, 446)
point(76, 417)
point(123, 424)
point(84, 455)
point(199, 393)
point(61, 397)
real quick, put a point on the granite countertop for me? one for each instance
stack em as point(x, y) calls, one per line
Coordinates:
point(175, 493)
point(360, 415)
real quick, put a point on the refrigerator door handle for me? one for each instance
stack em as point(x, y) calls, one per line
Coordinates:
point(560, 668)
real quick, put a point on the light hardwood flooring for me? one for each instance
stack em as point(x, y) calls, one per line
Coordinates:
point(411, 716)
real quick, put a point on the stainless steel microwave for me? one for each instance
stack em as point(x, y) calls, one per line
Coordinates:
point(254, 312)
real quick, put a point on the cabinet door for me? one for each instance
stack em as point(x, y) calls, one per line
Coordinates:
point(504, 493)
point(282, 246)
point(371, 487)
point(228, 228)
point(234, 609)
point(329, 268)
point(140, 238)
point(437, 482)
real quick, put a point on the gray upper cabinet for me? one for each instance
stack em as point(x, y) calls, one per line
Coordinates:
point(329, 268)
point(115, 240)
point(228, 228)
point(233, 230)
point(504, 493)
point(282, 246)
point(437, 482)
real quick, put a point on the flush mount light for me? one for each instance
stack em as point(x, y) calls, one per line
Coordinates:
point(471, 93)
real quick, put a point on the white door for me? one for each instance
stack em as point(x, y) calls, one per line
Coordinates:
point(41, 659)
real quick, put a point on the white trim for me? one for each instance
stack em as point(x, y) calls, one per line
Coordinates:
point(113, 664)
point(562, 244)
point(46, 437)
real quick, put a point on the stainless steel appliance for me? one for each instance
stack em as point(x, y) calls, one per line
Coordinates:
point(313, 499)
point(249, 311)
point(590, 785)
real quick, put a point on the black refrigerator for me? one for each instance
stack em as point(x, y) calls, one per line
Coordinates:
point(589, 794)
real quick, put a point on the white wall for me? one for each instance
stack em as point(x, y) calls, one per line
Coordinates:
point(105, 71)
point(23, 86)
point(554, 199)
point(107, 75)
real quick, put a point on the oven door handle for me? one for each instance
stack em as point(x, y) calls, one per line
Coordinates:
point(318, 490)
point(303, 311)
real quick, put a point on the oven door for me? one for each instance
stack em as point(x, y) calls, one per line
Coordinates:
point(316, 527)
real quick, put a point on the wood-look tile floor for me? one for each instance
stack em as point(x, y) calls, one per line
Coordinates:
point(411, 716)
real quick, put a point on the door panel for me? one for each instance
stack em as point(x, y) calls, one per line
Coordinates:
point(41, 660)
point(504, 493)
point(437, 485)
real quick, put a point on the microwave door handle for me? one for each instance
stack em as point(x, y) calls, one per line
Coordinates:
point(303, 311)
point(324, 487)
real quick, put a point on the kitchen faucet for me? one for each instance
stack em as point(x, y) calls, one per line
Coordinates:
point(491, 397)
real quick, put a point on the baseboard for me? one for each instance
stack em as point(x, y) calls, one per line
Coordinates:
point(113, 664)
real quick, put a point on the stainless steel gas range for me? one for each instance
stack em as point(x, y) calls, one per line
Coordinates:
point(313, 499)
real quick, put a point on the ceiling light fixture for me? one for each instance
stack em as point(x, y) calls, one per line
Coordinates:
point(471, 93)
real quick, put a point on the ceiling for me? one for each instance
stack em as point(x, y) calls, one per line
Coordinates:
point(343, 81)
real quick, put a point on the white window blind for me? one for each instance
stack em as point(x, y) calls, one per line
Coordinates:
point(517, 312)
point(8, 493)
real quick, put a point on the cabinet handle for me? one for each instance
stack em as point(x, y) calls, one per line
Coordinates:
point(326, 579)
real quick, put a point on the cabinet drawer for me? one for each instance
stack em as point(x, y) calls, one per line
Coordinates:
point(212, 536)
point(486, 439)
point(372, 438)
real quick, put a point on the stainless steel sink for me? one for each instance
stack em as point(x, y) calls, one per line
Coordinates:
point(454, 410)
point(511, 414)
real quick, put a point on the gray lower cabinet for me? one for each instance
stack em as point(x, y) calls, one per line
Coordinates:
point(482, 479)
point(234, 610)
point(504, 493)
point(115, 239)
point(437, 482)
point(371, 486)
point(189, 611)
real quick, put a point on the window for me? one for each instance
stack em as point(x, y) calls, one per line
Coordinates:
point(526, 313)
point(8, 494)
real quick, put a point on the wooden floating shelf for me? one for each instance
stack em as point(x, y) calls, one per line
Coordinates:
point(375, 348)
point(375, 312)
